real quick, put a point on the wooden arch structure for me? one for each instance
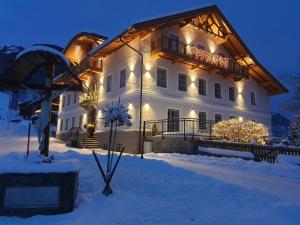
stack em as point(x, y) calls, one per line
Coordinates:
point(35, 70)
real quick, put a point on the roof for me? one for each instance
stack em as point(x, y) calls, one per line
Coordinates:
point(233, 43)
point(88, 35)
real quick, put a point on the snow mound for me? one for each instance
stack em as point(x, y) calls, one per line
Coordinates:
point(288, 159)
point(19, 163)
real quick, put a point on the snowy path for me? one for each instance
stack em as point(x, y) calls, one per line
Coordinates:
point(285, 188)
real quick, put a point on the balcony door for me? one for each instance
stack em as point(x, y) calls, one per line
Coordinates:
point(173, 120)
point(173, 43)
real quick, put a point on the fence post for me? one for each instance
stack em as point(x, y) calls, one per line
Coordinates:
point(193, 130)
point(184, 129)
point(162, 129)
point(210, 129)
point(28, 138)
point(143, 141)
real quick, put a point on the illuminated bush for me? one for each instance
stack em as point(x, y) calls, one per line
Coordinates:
point(236, 130)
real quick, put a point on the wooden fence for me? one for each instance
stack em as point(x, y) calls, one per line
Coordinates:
point(261, 152)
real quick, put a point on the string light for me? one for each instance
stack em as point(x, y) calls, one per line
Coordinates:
point(209, 58)
point(242, 131)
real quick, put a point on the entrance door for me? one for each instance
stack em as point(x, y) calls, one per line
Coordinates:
point(173, 120)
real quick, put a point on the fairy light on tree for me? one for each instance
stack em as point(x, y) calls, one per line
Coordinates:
point(239, 130)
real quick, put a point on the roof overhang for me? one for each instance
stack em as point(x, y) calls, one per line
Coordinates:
point(221, 29)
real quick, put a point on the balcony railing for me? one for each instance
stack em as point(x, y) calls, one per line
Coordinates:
point(87, 99)
point(181, 127)
point(196, 57)
point(87, 67)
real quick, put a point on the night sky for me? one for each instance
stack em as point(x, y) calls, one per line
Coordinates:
point(269, 28)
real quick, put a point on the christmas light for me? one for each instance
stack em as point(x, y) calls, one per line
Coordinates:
point(242, 131)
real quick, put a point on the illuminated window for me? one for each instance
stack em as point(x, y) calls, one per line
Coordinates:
point(231, 92)
point(161, 78)
point(218, 118)
point(202, 87)
point(182, 82)
point(109, 83)
point(253, 100)
point(123, 78)
point(218, 90)
point(202, 120)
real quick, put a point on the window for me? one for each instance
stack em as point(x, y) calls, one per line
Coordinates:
point(202, 87)
point(182, 82)
point(73, 122)
point(61, 124)
point(202, 47)
point(67, 124)
point(123, 78)
point(68, 99)
point(231, 117)
point(218, 118)
point(63, 101)
point(218, 90)
point(161, 78)
point(173, 43)
point(202, 120)
point(253, 100)
point(80, 121)
point(231, 92)
point(173, 120)
point(109, 83)
point(75, 97)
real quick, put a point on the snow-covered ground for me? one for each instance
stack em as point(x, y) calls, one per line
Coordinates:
point(173, 189)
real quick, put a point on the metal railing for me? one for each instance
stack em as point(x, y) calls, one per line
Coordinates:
point(162, 43)
point(183, 127)
point(76, 134)
point(87, 99)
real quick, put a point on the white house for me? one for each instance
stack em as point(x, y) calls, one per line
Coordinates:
point(193, 65)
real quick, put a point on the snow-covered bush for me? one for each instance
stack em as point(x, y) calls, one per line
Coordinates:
point(116, 113)
point(236, 130)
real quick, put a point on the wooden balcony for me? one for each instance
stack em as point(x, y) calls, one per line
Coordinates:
point(163, 46)
point(89, 68)
point(87, 99)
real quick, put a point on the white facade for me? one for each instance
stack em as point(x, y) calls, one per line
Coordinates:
point(157, 100)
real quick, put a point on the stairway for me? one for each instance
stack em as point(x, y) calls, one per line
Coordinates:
point(89, 142)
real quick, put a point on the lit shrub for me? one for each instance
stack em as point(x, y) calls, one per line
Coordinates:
point(236, 130)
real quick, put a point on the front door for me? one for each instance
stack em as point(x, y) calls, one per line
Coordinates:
point(173, 120)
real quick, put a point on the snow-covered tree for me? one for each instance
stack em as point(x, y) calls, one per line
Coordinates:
point(237, 130)
point(295, 130)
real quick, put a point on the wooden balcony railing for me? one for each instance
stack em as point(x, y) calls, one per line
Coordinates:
point(87, 67)
point(198, 58)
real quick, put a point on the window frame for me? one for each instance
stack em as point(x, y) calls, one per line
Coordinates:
point(178, 82)
point(230, 95)
point(220, 92)
point(157, 83)
point(109, 82)
point(253, 98)
point(221, 117)
point(124, 83)
point(205, 87)
point(200, 124)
